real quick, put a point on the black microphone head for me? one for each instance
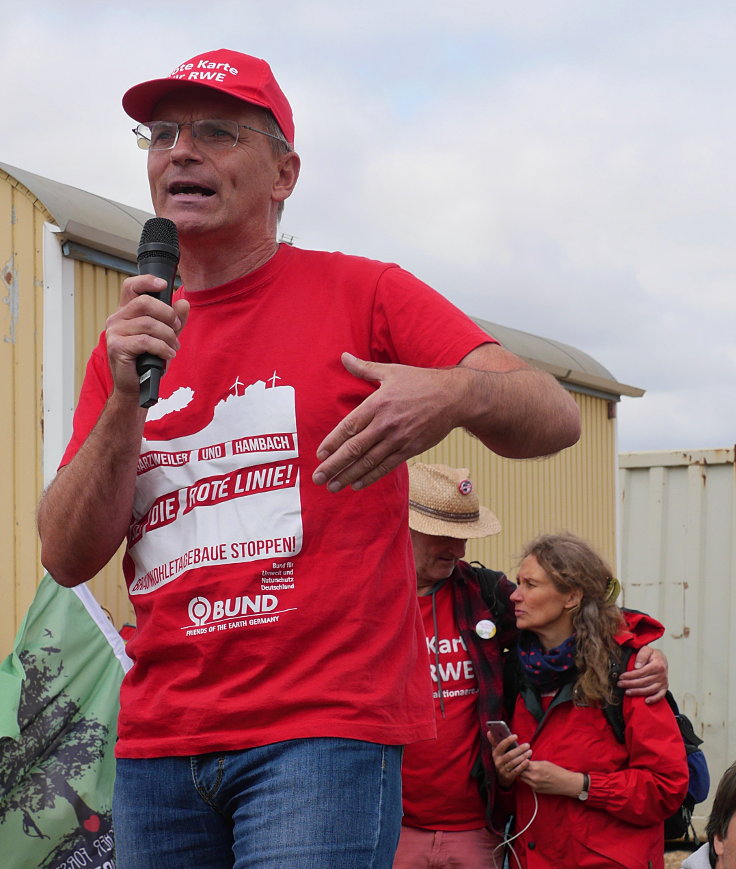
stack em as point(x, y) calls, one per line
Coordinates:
point(159, 238)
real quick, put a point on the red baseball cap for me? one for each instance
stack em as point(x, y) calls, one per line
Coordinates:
point(244, 77)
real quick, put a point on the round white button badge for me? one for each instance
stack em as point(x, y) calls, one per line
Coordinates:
point(485, 629)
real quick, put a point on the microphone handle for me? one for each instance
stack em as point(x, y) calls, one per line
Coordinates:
point(150, 368)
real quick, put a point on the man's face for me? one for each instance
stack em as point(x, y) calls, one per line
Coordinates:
point(228, 192)
point(726, 848)
point(435, 557)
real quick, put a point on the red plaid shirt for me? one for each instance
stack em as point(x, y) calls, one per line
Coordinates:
point(486, 655)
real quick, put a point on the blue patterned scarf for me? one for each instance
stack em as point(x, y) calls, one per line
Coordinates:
point(546, 671)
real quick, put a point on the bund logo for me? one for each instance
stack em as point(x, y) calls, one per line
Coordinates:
point(203, 612)
point(200, 610)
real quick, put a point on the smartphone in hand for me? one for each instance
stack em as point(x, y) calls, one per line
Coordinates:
point(499, 730)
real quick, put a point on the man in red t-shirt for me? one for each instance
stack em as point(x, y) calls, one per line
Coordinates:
point(277, 669)
point(448, 821)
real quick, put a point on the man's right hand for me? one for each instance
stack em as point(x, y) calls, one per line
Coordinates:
point(142, 324)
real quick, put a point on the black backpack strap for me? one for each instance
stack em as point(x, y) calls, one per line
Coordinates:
point(511, 682)
point(614, 711)
point(689, 736)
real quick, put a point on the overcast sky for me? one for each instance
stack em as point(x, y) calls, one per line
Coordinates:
point(564, 167)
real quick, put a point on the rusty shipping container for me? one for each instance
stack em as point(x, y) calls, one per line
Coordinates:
point(678, 562)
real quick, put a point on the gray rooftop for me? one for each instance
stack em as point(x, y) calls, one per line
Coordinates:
point(85, 218)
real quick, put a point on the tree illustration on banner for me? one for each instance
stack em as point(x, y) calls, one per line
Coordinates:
point(56, 749)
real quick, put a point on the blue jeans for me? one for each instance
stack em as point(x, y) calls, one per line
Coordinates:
point(302, 804)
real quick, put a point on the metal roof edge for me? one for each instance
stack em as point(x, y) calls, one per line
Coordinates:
point(80, 215)
point(675, 458)
point(568, 364)
point(589, 381)
point(94, 237)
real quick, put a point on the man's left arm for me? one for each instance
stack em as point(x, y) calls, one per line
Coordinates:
point(515, 410)
point(649, 677)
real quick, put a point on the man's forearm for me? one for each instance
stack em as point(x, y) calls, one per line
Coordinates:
point(519, 413)
point(85, 512)
point(515, 410)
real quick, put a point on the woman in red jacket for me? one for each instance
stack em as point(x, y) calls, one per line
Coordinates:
point(580, 797)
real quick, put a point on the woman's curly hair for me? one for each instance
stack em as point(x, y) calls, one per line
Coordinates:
point(571, 563)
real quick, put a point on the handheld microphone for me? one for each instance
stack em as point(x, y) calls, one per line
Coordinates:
point(158, 254)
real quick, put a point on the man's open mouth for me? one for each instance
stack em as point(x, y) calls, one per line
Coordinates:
point(190, 190)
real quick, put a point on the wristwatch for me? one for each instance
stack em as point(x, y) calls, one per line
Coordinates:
point(583, 795)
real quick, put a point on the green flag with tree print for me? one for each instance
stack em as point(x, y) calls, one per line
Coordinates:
point(58, 724)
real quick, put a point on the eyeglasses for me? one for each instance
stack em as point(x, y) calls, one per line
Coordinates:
point(220, 135)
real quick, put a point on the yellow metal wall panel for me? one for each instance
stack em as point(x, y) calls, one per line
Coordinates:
point(572, 491)
point(27, 404)
point(21, 311)
point(97, 294)
point(97, 291)
point(8, 322)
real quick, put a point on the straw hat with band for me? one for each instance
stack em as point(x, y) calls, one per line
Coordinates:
point(442, 502)
point(241, 76)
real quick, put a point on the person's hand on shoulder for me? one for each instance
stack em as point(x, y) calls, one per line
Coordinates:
point(648, 678)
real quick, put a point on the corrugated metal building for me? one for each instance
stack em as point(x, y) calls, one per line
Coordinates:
point(678, 562)
point(65, 253)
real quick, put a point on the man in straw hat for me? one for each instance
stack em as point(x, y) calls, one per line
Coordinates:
point(276, 673)
point(448, 816)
